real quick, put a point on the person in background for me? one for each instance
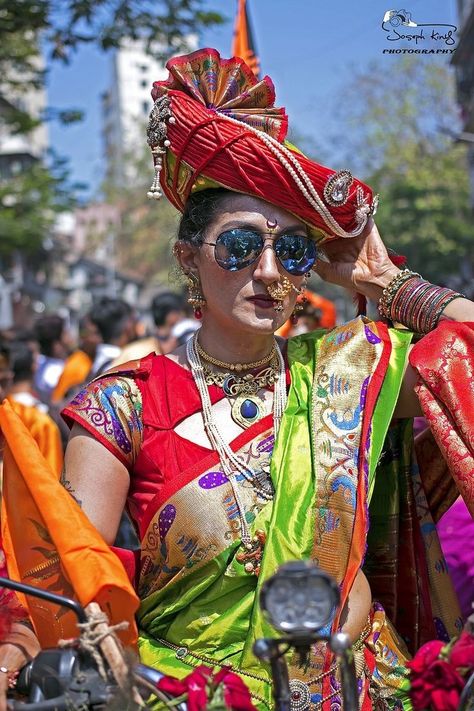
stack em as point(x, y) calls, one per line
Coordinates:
point(33, 413)
point(79, 364)
point(18, 642)
point(143, 344)
point(6, 374)
point(116, 323)
point(183, 330)
point(54, 343)
point(168, 310)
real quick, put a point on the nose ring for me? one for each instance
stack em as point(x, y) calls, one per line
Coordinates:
point(279, 290)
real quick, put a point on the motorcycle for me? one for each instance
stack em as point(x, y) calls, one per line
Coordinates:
point(299, 601)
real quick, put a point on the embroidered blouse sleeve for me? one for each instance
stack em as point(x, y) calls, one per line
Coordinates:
point(111, 410)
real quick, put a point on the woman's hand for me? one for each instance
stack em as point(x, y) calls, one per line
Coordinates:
point(359, 263)
point(3, 691)
point(19, 646)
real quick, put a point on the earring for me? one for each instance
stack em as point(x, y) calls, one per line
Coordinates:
point(296, 313)
point(302, 300)
point(195, 296)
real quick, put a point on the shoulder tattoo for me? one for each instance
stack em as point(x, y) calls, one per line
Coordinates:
point(64, 481)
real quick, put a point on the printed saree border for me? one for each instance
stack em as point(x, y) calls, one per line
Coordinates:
point(361, 521)
point(70, 415)
point(388, 395)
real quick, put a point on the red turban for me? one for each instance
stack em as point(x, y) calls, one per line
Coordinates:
point(214, 125)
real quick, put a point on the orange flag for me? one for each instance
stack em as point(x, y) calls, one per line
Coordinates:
point(243, 45)
point(50, 543)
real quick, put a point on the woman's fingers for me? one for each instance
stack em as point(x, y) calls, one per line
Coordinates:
point(325, 270)
point(3, 691)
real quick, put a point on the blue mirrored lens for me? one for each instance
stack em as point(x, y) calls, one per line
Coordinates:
point(237, 248)
point(296, 253)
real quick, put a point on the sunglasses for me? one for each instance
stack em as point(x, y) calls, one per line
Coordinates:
point(238, 248)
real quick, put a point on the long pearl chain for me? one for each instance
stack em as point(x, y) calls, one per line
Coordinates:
point(231, 462)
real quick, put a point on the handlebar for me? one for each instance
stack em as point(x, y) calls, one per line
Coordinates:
point(81, 699)
point(60, 703)
point(45, 595)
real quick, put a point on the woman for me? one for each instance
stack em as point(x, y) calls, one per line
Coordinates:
point(237, 452)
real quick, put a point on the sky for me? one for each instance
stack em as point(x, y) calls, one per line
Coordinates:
point(309, 48)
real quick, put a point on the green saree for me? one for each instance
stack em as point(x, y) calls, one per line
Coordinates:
point(344, 387)
point(200, 606)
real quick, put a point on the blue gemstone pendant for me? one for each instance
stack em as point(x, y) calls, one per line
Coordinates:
point(247, 409)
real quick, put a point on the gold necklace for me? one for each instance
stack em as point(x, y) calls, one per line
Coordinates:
point(235, 366)
point(247, 384)
point(247, 405)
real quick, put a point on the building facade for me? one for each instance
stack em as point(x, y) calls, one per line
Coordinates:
point(126, 106)
point(19, 151)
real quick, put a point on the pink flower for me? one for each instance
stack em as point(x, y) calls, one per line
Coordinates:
point(425, 656)
point(435, 685)
point(194, 685)
point(202, 683)
point(236, 693)
point(462, 652)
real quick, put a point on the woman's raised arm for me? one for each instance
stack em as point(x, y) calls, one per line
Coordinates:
point(363, 264)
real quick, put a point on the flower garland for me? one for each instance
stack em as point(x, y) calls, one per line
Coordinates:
point(439, 673)
point(203, 690)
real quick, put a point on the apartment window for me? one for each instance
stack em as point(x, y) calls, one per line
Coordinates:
point(144, 83)
point(145, 107)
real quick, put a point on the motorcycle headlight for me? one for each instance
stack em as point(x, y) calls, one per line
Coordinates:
point(299, 599)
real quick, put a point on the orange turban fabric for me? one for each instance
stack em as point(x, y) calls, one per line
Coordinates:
point(214, 124)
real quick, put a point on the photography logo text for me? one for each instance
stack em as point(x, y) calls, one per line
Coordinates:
point(409, 37)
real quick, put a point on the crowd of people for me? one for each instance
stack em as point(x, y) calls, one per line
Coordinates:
point(43, 367)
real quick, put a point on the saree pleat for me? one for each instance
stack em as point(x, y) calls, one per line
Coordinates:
point(404, 563)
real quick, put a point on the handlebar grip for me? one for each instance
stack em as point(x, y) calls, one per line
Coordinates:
point(59, 703)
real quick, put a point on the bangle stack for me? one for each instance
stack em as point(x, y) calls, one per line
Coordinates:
point(11, 675)
point(414, 302)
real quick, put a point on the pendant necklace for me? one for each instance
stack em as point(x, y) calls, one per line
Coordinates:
point(233, 464)
point(242, 391)
point(247, 409)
